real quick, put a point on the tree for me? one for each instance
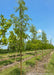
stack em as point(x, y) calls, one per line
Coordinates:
point(20, 26)
point(33, 31)
point(50, 41)
point(4, 25)
point(34, 36)
point(12, 41)
point(44, 38)
point(29, 45)
point(44, 41)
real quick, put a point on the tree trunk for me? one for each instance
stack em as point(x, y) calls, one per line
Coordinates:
point(20, 63)
point(21, 52)
point(36, 59)
point(42, 53)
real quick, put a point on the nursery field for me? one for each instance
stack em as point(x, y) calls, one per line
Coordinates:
point(50, 66)
point(10, 64)
point(26, 37)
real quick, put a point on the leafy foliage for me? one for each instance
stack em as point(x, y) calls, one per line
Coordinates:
point(4, 25)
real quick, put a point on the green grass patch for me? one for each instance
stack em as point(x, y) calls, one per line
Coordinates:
point(15, 70)
point(50, 67)
point(12, 71)
point(31, 62)
point(6, 62)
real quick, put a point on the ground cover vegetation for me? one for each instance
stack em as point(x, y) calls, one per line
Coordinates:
point(19, 40)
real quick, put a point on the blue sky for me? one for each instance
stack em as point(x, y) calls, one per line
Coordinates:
point(41, 12)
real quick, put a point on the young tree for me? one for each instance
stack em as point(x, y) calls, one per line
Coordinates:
point(44, 37)
point(20, 26)
point(12, 41)
point(34, 36)
point(33, 31)
point(50, 41)
point(4, 25)
point(44, 41)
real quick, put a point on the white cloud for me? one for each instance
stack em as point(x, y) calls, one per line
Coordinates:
point(39, 31)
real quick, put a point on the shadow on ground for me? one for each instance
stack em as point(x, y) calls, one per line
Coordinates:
point(16, 72)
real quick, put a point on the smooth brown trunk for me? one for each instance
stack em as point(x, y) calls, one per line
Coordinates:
point(15, 56)
point(21, 43)
point(46, 53)
point(21, 53)
point(36, 59)
point(20, 63)
point(42, 53)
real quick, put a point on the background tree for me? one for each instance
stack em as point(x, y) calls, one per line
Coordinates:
point(44, 37)
point(33, 31)
point(44, 41)
point(12, 42)
point(34, 36)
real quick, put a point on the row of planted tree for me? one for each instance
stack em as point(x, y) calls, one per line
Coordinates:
point(18, 39)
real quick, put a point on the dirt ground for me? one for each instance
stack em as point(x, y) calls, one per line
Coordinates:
point(40, 69)
point(40, 66)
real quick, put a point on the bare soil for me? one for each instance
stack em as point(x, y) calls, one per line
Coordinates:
point(16, 62)
point(41, 66)
point(33, 71)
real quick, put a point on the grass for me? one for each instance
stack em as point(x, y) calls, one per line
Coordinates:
point(12, 71)
point(31, 62)
point(10, 61)
point(15, 69)
point(7, 55)
point(5, 62)
point(50, 67)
